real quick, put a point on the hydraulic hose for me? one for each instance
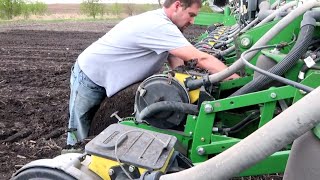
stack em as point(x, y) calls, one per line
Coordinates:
point(233, 33)
point(211, 38)
point(233, 30)
point(264, 5)
point(236, 66)
point(233, 131)
point(270, 138)
point(234, 27)
point(304, 40)
point(251, 117)
point(264, 14)
point(304, 68)
point(273, 76)
point(264, 10)
point(251, 24)
point(275, 4)
point(165, 106)
point(276, 12)
point(227, 51)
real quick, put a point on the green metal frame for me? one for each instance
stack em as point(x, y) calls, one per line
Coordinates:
point(285, 35)
point(207, 19)
point(201, 143)
point(199, 140)
point(204, 123)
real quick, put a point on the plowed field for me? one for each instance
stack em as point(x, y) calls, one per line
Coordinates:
point(35, 62)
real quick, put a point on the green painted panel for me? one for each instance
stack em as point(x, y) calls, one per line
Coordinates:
point(275, 163)
point(207, 19)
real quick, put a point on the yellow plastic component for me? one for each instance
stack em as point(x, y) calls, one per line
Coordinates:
point(165, 166)
point(101, 166)
point(194, 94)
point(212, 43)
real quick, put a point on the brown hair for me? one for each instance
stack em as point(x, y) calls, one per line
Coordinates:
point(185, 3)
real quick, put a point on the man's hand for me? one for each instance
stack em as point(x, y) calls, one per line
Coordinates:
point(205, 61)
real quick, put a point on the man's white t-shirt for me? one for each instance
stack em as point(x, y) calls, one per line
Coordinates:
point(133, 50)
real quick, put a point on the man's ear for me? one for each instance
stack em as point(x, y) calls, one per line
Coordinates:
point(177, 4)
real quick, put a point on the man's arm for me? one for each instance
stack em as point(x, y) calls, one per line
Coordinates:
point(174, 61)
point(205, 61)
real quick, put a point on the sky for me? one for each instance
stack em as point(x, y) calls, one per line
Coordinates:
point(104, 1)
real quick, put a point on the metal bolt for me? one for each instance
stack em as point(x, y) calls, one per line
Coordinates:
point(111, 172)
point(208, 108)
point(201, 151)
point(275, 51)
point(194, 117)
point(190, 133)
point(142, 91)
point(273, 95)
point(245, 42)
point(115, 114)
point(302, 92)
point(202, 139)
point(131, 168)
point(215, 129)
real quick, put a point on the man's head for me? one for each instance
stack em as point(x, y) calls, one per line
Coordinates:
point(182, 12)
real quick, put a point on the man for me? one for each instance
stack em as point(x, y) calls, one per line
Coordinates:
point(133, 50)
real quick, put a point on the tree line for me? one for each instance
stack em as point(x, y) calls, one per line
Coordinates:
point(93, 8)
point(12, 8)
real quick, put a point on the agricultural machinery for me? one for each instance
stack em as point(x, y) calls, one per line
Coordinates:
point(189, 124)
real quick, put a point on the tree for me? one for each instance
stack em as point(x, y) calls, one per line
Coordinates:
point(92, 8)
point(129, 8)
point(116, 9)
point(10, 8)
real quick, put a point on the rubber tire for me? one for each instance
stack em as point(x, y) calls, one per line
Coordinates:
point(42, 173)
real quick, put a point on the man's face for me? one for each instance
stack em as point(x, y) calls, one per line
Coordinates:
point(183, 17)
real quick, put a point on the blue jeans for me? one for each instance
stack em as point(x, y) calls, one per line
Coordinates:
point(85, 100)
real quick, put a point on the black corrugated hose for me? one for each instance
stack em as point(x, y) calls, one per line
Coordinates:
point(299, 49)
point(167, 106)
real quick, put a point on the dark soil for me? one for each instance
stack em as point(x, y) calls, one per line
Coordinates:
point(35, 62)
point(34, 89)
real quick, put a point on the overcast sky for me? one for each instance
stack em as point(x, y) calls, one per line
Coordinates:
point(105, 1)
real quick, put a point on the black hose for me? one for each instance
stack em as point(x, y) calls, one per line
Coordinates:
point(244, 125)
point(220, 44)
point(272, 75)
point(227, 51)
point(305, 68)
point(247, 120)
point(315, 42)
point(167, 106)
point(300, 48)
